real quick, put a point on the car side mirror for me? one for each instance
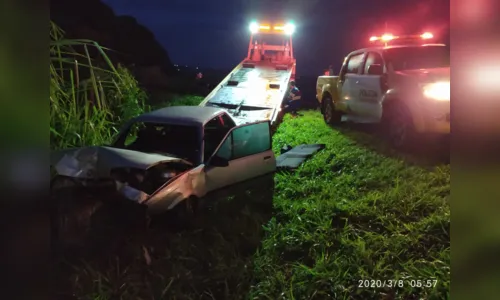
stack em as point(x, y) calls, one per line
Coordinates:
point(375, 69)
point(217, 161)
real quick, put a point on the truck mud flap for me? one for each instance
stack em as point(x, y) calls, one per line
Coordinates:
point(249, 65)
point(292, 159)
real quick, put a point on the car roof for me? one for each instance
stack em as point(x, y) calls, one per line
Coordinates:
point(379, 48)
point(181, 115)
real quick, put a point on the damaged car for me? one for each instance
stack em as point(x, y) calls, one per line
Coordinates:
point(167, 156)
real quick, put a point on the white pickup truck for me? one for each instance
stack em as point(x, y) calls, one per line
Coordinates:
point(405, 88)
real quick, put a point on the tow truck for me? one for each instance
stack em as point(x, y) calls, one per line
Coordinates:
point(255, 89)
point(403, 85)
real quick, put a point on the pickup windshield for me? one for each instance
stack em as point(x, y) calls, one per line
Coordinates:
point(418, 57)
point(167, 139)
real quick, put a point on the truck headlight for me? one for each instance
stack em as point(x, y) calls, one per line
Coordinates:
point(289, 28)
point(438, 91)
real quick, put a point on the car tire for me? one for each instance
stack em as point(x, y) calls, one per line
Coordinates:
point(187, 212)
point(320, 106)
point(330, 114)
point(397, 126)
point(70, 214)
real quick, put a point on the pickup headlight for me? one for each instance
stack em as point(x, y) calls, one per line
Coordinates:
point(438, 91)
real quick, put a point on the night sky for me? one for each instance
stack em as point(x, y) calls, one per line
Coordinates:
point(214, 33)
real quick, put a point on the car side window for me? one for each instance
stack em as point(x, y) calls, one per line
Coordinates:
point(354, 63)
point(246, 140)
point(373, 58)
point(215, 130)
point(225, 150)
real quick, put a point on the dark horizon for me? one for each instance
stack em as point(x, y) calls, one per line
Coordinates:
point(215, 35)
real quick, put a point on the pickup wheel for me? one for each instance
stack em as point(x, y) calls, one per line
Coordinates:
point(330, 114)
point(397, 125)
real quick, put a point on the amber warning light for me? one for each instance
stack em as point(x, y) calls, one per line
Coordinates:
point(288, 28)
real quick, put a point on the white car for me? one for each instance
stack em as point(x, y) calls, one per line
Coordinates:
point(406, 88)
point(173, 154)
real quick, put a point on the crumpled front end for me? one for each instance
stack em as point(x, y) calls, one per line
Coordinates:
point(134, 175)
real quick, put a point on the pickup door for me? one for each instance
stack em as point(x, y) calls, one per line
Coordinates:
point(348, 84)
point(248, 151)
point(371, 89)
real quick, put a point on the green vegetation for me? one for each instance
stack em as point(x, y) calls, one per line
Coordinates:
point(354, 211)
point(349, 213)
point(89, 97)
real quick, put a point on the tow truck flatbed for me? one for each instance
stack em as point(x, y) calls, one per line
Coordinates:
point(256, 87)
point(253, 91)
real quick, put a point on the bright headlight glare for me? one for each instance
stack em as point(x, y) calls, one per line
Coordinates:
point(289, 28)
point(438, 91)
point(254, 27)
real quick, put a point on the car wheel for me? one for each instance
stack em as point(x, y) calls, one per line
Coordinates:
point(330, 114)
point(70, 214)
point(397, 126)
point(320, 106)
point(187, 212)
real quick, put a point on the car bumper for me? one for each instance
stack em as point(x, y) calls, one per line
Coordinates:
point(439, 124)
point(434, 116)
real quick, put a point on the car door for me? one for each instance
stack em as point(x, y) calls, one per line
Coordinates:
point(248, 150)
point(214, 132)
point(348, 83)
point(370, 89)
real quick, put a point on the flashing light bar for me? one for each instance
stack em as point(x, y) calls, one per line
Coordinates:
point(426, 35)
point(287, 29)
point(389, 37)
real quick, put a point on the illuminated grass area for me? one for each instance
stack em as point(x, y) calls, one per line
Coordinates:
point(352, 212)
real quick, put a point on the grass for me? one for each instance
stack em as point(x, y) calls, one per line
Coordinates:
point(90, 98)
point(175, 100)
point(354, 211)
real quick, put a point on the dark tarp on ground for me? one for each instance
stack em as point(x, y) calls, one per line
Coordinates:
point(293, 158)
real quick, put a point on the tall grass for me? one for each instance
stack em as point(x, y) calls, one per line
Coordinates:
point(89, 97)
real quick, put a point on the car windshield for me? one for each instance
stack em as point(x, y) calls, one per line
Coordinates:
point(418, 57)
point(167, 139)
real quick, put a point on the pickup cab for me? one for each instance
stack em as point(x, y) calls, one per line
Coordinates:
point(404, 88)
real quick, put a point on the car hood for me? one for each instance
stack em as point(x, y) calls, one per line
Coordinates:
point(98, 161)
point(427, 75)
